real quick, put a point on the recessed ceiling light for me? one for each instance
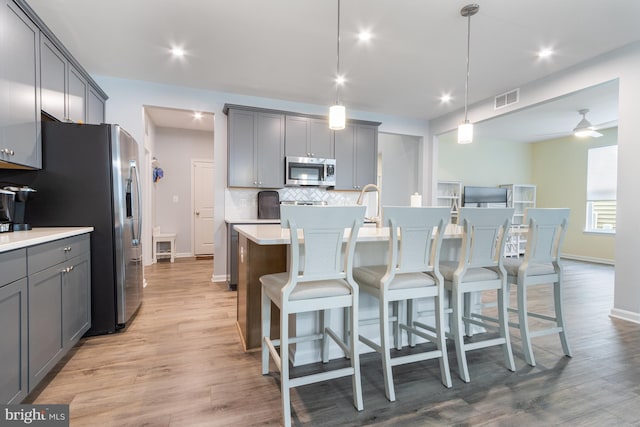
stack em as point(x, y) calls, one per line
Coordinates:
point(364, 35)
point(340, 80)
point(177, 51)
point(197, 115)
point(445, 98)
point(545, 53)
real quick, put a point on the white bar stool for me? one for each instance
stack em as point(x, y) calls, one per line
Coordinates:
point(160, 238)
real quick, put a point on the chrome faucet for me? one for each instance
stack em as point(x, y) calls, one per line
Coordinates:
point(378, 218)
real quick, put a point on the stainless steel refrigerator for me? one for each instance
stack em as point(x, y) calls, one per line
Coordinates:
point(90, 177)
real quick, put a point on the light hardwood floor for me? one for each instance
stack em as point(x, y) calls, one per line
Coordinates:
point(180, 363)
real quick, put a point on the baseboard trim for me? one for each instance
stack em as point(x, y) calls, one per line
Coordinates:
point(589, 259)
point(219, 278)
point(629, 316)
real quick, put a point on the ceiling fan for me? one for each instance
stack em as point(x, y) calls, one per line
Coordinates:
point(584, 128)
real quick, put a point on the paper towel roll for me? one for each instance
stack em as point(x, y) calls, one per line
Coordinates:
point(416, 200)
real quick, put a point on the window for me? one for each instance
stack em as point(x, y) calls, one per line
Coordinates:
point(602, 173)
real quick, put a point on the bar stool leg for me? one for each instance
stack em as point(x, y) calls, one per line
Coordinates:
point(354, 353)
point(284, 368)
point(386, 356)
point(524, 324)
point(503, 303)
point(557, 296)
point(266, 331)
point(458, 334)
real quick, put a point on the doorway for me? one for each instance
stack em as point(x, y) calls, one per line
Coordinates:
point(175, 139)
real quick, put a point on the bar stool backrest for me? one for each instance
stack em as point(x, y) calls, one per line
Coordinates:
point(485, 230)
point(317, 236)
point(415, 237)
point(547, 228)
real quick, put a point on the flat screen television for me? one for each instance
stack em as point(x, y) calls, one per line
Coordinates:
point(484, 197)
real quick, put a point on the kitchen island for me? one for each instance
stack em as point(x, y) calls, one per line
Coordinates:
point(263, 250)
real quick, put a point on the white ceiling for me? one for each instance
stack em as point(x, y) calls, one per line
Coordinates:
point(180, 119)
point(286, 49)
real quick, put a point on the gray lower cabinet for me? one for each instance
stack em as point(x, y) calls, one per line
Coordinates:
point(20, 101)
point(308, 137)
point(255, 149)
point(59, 301)
point(13, 330)
point(356, 148)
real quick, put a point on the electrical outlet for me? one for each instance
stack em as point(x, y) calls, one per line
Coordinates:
point(175, 198)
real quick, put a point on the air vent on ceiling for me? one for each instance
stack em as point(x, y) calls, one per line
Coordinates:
point(507, 98)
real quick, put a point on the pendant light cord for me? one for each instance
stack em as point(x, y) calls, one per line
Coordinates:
point(338, 59)
point(466, 84)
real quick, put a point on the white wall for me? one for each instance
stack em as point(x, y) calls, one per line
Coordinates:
point(174, 150)
point(148, 212)
point(400, 168)
point(128, 97)
point(623, 64)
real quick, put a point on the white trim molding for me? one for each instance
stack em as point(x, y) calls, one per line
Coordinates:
point(589, 259)
point(629, 316)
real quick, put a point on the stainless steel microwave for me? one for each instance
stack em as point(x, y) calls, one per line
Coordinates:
point(310, 171)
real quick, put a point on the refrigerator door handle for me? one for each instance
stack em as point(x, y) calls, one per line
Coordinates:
point(134, 168)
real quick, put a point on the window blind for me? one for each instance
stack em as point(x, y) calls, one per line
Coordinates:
point(602, 173)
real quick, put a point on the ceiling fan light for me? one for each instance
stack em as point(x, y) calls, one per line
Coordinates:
point(584, 133)
point(337, 117)
point(465, 133)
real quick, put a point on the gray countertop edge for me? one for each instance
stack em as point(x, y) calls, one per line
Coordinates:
point(22, 239)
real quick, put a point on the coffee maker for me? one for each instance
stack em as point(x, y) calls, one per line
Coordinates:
point(7, 209)
point(22, 194)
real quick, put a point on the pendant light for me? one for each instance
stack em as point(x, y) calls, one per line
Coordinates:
point(337, 112)
point(465, 130)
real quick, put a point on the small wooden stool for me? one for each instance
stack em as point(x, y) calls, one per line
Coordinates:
point(159, 238)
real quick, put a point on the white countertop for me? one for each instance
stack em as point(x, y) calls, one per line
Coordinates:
point(273, 234)
point(251, 221)
point(21, 239)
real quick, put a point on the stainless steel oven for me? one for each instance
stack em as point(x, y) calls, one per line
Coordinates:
point(310, 171)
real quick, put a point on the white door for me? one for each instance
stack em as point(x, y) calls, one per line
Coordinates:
point(202, 185)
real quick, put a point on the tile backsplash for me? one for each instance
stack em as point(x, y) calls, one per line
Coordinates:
point(242, 203)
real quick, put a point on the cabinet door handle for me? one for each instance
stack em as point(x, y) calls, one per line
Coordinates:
point(67, 249)
point(68, 269)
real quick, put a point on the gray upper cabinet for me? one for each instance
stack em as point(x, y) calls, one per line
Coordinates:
point(53, 79)
point(20, 100)
point(37, 74)
point(65, 92)
point(77, 97)
point(356, 148)
point(95, 107)
point(255, 149)
point(308, 137)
